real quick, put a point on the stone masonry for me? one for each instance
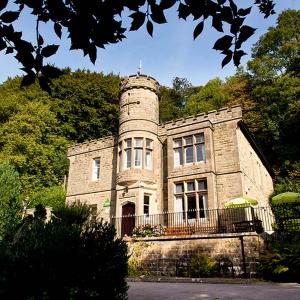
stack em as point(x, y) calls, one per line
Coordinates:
point(170, 257)
point(203, 160)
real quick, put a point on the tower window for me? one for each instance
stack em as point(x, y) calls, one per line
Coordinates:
point(148, 154)
point(137, 153)
point(128, 150)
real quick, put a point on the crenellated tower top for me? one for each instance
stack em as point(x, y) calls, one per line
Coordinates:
point(139, 82)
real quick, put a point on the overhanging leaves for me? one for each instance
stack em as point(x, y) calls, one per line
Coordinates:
point(224, 43)
point(49, 50)
point(101, 23)
point(198, 29)
point(9, 16)
point(138, 19)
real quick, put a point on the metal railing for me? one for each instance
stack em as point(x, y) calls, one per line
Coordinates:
point(211, 221)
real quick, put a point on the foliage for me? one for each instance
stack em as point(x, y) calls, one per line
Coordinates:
point(277, 52)
point(286, 185)
point(200, 265)
point(36, 128)
point(73, 256)
point(53, 197)
point(211, 96)
point(10, 205)
point(30, 141)
point(287, 216)
point(281, 262)
point(173, 100)
point(103, 23)
point(86, 104)
point(149, 230)
point(136, 265)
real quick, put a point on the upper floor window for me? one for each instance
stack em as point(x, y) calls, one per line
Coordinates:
point(96, 169)
point(148, 154)
point(128, 151)
point(137, 153)
point(189, 149)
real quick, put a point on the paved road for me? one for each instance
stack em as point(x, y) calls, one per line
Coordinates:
point(195, 291)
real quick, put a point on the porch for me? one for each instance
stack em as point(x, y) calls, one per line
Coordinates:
point(196, 222)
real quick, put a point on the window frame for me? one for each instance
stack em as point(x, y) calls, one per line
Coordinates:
point(183, 145)
point(134, 148)
point(96, 171)
point(146, 205)
point(198, 193)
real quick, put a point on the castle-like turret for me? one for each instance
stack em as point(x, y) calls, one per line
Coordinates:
point(139, 108)
point(139, 149)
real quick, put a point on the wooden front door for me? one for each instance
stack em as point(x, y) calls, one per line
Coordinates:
point(128, 219)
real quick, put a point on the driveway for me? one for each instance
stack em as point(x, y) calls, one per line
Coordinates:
point(195, 291)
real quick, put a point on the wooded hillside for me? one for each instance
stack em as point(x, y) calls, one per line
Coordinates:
point(37, 127)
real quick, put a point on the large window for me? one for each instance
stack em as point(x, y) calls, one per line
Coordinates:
point(191, 198)
point(137, 153)
point(96, 169)
point(189, 149)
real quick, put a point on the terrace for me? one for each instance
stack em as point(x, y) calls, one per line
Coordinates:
point(197, 222)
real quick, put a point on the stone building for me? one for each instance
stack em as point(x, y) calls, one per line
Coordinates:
point(187, 164)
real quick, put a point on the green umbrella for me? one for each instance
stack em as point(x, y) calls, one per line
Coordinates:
point(288, 197)
point(240, 202)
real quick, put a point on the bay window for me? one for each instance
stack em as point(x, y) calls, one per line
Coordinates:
point(127, 154)
point(148, 156)
point(137, 153)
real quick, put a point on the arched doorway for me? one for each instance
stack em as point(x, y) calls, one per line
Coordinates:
point(128, 219)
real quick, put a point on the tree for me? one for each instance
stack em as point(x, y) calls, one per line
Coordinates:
point(72, 256)
point(10, 205)
point(86, 104)
point(277, 52)
point(211, 96)
point(102, 22)
point(275, 89)
point(30, 141)
point(173, 100)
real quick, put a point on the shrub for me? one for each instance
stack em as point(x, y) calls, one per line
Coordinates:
point(136, 265)
point(200, 265)
point(73, 256)
point(281, 262)
point(149, 230)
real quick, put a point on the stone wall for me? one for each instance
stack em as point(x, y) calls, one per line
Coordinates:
point(81, 186)
point(165, 257)
point(256, 180)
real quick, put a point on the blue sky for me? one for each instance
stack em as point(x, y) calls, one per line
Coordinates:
point(171, 52)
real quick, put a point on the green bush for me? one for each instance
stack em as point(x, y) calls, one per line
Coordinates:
point(53, 197)
point(200, 265)
point(281, 262)
point(72, 256)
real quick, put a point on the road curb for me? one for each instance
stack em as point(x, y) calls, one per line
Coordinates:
point(197, 280)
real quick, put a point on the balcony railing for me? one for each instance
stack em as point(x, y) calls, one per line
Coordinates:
point(211, 221)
